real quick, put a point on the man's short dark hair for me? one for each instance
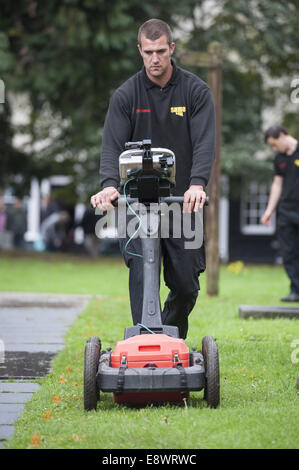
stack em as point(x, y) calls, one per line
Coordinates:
point(274, 131)
point(153, 29)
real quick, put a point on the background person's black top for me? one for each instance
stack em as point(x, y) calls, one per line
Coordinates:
point(179, 116)
point(287, 166)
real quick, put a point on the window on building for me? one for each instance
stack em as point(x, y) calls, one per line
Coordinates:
point(253, 204)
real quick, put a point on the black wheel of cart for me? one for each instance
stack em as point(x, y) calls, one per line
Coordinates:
point(212, 376)
point(91, 364)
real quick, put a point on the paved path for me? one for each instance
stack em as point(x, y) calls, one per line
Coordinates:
point(32, 329)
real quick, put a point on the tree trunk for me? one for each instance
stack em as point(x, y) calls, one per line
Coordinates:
point(213, 189)
point(213, 61)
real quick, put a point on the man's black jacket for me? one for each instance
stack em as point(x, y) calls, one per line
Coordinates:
point(180, 117)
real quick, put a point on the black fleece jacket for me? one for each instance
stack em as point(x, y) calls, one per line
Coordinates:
point(179, 116)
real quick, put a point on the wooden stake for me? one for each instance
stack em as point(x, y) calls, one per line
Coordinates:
point(213, 61)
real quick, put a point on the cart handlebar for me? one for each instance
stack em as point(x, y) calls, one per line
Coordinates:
point(166, 200)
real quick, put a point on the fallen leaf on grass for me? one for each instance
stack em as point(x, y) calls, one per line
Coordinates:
point(35, 440)
point(62, 379)
point(56, 399)
point(47, 415)
point(68, 369)
point(78, 438)
point(237, 267)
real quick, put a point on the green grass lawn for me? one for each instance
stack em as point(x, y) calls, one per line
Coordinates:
point(259, 401)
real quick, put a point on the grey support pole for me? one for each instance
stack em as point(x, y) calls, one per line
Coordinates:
point(150, 227)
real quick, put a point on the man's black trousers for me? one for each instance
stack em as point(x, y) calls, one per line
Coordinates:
point(288, 237)
point(181, 269)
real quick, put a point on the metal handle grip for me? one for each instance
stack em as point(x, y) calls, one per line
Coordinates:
point(167, 200)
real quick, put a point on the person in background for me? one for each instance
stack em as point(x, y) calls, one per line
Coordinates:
point(284, 194)
point(88, 223)
point(5, 239)
point(48, 206)
point(3, 216)
point(54, 231)
point(17, 223)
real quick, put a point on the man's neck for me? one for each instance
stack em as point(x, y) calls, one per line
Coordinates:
point(292, 145)
point(161, 81)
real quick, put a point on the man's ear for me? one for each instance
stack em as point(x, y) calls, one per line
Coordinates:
point(139, 49)
point(172, 48)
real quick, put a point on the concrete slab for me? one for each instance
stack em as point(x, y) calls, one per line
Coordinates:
point(29, 299)
point(11, 408)
point(33, 335)
point(18, 387)
point(33, 348)
point(14, 397)
point(27, 316)
point(32, 332)
point(265, 311)
point(24, 364)
point(6, 431)
point(9, 417)
point(9, 413)
point(33, 339)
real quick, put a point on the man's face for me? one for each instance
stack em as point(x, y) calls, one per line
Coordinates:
point(278, 145)
point(156, 55)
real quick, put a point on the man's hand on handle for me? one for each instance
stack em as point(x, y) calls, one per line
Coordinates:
point(103, 199)
point(194, 198)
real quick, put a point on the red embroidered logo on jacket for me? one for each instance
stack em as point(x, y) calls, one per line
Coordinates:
point(144, 110)
point(282, 165)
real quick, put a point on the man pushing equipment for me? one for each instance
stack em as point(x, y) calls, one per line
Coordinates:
point(174, 109)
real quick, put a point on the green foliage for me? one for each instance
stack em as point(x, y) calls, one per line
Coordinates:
point(238, 160)
point(258, 38)
point(68, 56)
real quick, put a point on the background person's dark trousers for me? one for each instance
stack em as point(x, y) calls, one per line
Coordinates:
point(288, 237)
